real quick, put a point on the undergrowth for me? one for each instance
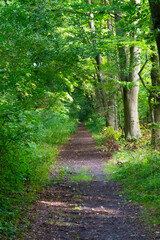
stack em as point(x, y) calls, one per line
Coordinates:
point(139, 174)
point(29, 144)
point(136, 165)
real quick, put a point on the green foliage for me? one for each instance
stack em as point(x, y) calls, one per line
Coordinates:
point(137, 167)
point(140, 179)
point(47, 77)
point(109, 132)
point(144, 112)
point(57, 127)
point(138, 172)
point(95, 123)
point(61, 173)
point(81, 176)
point(106, 137)
point(27, 159)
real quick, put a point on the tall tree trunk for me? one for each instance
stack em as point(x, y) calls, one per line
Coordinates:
point(112, 111)
point(108, 105)
point(155, 13)
point(102, 90)
point(130, 96)
point(132, 128)
point(155, 77)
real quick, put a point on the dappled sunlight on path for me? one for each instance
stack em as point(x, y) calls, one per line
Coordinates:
point(84, 210)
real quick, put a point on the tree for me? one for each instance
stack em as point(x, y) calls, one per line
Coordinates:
point(108, 102)
point(155, 13)
point(130, 78)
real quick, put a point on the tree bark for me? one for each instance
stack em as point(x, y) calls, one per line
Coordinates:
point(130, 96)
point(112, 108)
point(155, 13)
point(155, 75)
point(108, 105)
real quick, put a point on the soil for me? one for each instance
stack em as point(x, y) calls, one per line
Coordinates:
point(85, 210)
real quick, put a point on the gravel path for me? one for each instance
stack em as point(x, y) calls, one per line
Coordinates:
point(87, 210)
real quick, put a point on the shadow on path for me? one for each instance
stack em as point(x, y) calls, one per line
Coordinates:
point(85, 210)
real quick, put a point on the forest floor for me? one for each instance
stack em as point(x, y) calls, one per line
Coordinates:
point(88, 209)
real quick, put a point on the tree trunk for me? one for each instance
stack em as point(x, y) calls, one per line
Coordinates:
point(155, 13)
point(131, 121)
point(112, 108)
point(100, 78)
point(112, 112)
point(130, 96)
point(155, 77)
point(108, 105)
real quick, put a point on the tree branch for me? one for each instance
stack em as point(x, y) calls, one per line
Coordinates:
point(152, 93)
point(141, 76)
point(81, 13)
point(69, 11)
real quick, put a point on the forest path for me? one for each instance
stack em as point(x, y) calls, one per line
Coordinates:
point(84, 210)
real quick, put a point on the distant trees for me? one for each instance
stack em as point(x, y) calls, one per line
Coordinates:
point(107, 101)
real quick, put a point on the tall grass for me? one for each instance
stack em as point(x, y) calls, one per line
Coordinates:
point(139, 175)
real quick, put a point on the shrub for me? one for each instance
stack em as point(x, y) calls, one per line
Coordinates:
point(95, 123)
point(140, 173)
point(28, 141)
point(109, 132)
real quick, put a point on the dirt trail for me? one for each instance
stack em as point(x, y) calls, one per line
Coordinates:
point(85, 210)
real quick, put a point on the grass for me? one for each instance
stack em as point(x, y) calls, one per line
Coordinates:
point(139, 174)
point(81, 176)
point(136, 165)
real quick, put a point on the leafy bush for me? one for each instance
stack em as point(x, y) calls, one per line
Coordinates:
point(56, 127)
point(95, 123)
point(139, 173)
point(109, 132)
point(142, 174)
point(104, 136)
point(110, 138)
point(28, 141)
point(136, 165)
